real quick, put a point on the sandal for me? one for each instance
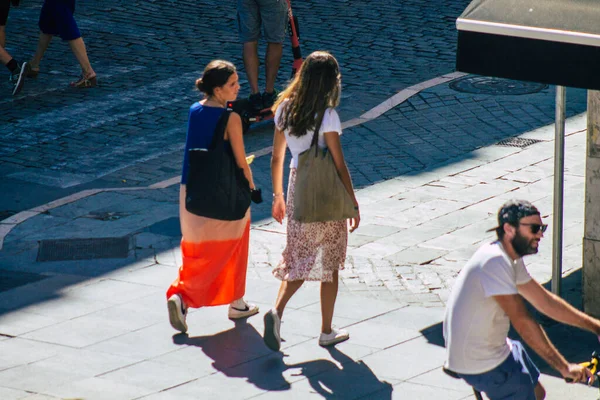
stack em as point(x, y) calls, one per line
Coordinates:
point(84, 82)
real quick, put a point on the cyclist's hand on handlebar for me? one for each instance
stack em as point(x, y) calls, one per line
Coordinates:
point(578, 373)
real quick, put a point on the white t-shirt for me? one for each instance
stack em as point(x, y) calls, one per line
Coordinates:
point(475, 326)
point(331, 123)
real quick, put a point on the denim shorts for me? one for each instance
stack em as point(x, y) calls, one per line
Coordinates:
point(514, 379)
point(271, 14)
point(56, 18)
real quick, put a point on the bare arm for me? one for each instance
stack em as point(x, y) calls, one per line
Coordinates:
point(332, 139)
point(556, 308)
point(235, 135)
point(536, 338)
point(277, 159)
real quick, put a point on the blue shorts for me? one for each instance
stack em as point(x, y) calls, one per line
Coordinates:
point(514, 379)
point(56, 18)
point(271, 14)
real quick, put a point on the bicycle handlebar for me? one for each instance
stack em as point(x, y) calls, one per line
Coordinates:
point(592, 365)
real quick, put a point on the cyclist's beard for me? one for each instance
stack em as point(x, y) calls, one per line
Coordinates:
point(522, 245)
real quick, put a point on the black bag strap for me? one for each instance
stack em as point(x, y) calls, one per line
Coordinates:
point(218, 139)
point(315, 139)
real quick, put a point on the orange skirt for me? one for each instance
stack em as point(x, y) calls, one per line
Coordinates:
point(215, 259)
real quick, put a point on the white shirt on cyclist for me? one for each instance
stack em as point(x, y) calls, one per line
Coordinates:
point(331, 123)
point(475, 326)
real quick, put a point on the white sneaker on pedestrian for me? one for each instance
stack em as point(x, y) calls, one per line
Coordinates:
point(247, 310)
point(336, 336)
point(17, 78)
point(177, 313)
point(272, 336)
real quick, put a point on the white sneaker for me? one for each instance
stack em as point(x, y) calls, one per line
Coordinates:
point(18, 78)
point(336, 336)
point(177, 313)
point(247, 311)
point(272, 336)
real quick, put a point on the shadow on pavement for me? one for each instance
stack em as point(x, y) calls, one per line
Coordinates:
point(434, 334)
point(360, 374)
point(240, 353)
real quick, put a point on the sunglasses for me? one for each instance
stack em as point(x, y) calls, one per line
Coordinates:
point(535, 228)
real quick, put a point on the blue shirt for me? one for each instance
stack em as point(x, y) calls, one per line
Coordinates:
point(201, 128)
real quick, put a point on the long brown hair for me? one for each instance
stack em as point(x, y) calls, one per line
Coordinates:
point(315, 88)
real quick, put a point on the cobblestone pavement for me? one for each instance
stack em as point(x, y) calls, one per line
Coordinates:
point(148, 54)
point(130, 130)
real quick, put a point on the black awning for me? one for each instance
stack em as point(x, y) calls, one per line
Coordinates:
point(549, 41)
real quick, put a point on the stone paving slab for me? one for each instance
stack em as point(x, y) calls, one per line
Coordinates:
point(405, 224)
point(236, 353)
point(117, 320)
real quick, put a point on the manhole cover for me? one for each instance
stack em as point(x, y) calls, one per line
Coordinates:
point(499, 86)
point(517, 142)
point(83, 249)
point(12, 279)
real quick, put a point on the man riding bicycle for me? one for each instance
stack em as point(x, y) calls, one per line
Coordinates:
point(488, 296)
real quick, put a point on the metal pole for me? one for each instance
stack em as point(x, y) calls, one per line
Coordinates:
point(559, 171)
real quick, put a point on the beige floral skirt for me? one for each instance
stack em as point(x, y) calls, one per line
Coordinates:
point(313, 250)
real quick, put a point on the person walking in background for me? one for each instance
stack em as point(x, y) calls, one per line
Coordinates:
point(314, 251)
point(215, 252)
point(17, 70)
point(272, 16)
point(56, 18)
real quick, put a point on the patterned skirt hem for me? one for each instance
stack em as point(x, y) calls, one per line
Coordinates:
point(284, 273)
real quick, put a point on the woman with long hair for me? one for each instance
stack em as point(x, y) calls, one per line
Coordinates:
point(314, 251)
point(215, 252)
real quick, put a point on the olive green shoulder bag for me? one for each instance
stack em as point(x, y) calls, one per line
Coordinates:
point(320, 194)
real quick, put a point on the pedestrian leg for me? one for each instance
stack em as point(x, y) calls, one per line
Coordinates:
point(329, 292)
point(329, 335)
point(272, 335)
point(286, 291)
point(4, 56)
point(78, 48)
point(250, 54)
point(43, 43)
point(88, 76)
point(17, 70)
point(2, 36)
point(272, 61)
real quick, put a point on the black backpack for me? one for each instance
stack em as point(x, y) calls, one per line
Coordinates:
point(216, 186)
